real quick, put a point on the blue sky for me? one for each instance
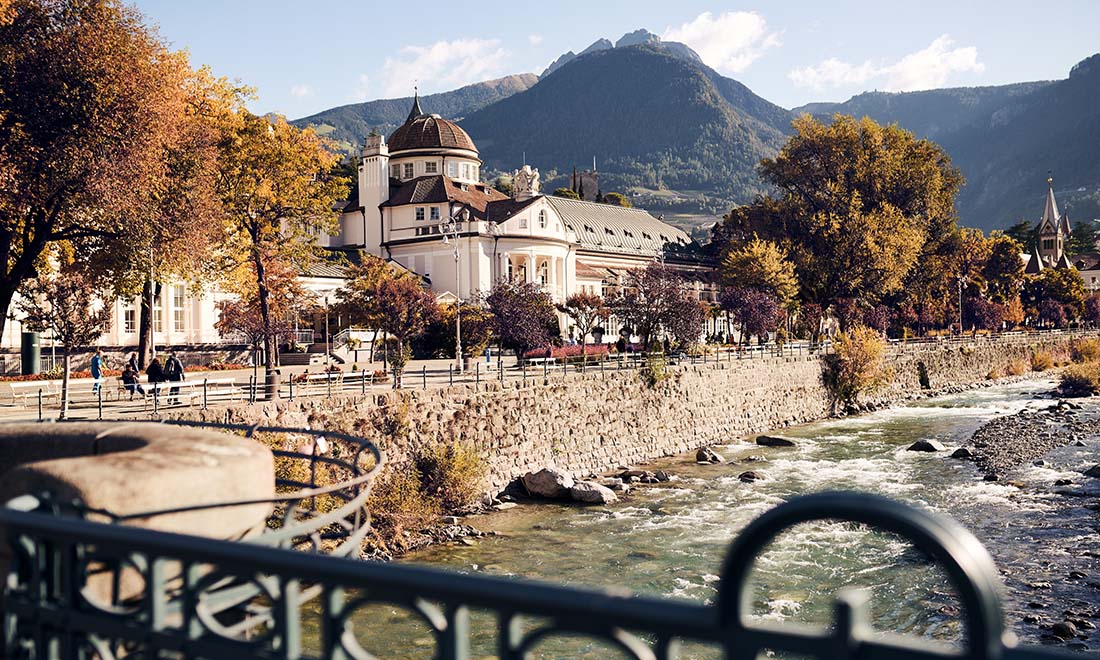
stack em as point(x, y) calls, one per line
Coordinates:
point(304, 57)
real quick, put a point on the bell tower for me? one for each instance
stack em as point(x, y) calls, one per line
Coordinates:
point(1053, 230)
point(374, 188)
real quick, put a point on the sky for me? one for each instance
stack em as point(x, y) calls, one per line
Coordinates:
point(304, 57)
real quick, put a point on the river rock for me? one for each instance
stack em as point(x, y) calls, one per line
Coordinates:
point(591, 492)
point(750, 476)
point(1093, 471)
point(1064, 630)
point(662, 476)
point(962, 452)
point(548, 482)
point(773, 441)
point(927, 445)
point(708, 455)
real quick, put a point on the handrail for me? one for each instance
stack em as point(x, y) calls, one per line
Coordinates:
point(45, 609)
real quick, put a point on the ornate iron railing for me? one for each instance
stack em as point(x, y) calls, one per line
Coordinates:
point(48, 612)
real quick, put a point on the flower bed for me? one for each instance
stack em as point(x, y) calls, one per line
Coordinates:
point(569, 353)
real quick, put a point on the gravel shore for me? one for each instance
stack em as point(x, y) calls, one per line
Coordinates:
point(1006, 442)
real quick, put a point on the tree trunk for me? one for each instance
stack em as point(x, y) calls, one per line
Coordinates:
point(146, 346)
point(7, 292)
point(67, 359)
point(265, 316)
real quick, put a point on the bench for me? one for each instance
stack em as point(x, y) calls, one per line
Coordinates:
point(161, 392)
point(28, 389)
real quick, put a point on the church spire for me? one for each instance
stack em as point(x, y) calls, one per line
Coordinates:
point(416, 111)
point(1050, 213)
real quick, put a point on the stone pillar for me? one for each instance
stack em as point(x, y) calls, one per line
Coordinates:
point(529, 261)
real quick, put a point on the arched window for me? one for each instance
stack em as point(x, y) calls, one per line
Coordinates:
point(542, 219)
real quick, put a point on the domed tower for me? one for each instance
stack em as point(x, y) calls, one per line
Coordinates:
point(427, 145)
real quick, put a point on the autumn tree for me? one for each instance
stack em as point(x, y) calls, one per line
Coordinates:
point(761, 265)
point(69, 306)
point(1003, 271)
point(89, 101)
point(858, 364)
point(406, 309)
point(858, 204)
point(524, 315)
point(757, 311)
point(653, 298)
point(1063, 286)
point(241, 317)
point(357, 300)
point(277, 193)
point(585, 310)
point(618, 199)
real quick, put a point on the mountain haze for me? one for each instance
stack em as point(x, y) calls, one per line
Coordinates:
point(347, 125)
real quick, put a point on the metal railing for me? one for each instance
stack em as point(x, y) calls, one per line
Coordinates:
point(48, 613)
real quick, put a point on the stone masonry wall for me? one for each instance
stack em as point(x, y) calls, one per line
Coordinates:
point(593, 422)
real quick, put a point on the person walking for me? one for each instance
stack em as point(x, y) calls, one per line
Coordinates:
point(97, 369)
point(173, 372)
point(155, 372)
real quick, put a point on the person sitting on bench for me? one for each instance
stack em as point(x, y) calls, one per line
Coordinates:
point(130, 381)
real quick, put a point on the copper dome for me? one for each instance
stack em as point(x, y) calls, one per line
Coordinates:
point(429, 132)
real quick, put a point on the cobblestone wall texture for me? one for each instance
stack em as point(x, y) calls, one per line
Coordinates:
point(593, 422)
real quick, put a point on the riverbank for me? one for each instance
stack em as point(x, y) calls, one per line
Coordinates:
point(668, 539)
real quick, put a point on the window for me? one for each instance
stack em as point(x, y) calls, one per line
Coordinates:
point(395, 171)
point(452, 169)
point(523, 223)
point(431, 167)
point(408, 170)
point(129, 320)
point(476, 172)
point(465, 170)
point(179, 297)
point(1048, 243)
point(434, 215)
point(542, 219)
point(157, 325)
point(420, 213)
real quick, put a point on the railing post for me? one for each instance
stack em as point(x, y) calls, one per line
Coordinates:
point(477, 375)
point(40, 404)
point(291, 384)
point(156, 398)
point(204, 393)
point(251, 390)
point(328, 384)
point(424, 376)
point(363, 382)
point(450, 374)
point(99, 401)
point(545, 367)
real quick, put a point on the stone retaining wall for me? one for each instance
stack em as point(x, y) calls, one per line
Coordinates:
point(596, 421)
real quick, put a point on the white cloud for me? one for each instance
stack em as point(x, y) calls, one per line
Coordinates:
point(362, 89)
point(534, 39)
point(729, 42)
point(443, 65)
point(301, 91)
point(925, 69)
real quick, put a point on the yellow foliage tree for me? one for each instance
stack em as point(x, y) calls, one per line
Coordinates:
point(761, 265)
point(858, 366)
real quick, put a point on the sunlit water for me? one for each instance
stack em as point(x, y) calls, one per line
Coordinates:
point(670, 541)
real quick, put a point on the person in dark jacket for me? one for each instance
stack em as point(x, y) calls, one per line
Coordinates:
point(132, 364)
point(155, 372)
point(130, 381)
point(173, 372)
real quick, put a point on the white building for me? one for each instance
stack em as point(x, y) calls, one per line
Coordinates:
point(428, 173)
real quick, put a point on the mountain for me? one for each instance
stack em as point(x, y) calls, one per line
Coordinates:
point(635, 38)
point(654, 120)
point(1005, 140)
point(349, 124)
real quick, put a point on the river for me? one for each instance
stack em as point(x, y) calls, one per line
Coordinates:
point(670, 540)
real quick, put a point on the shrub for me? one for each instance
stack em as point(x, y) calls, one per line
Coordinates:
point(653, 371)
point(1085, 350)
point(994, 374)
point(453, 473)
point(397, 505)
point(858, 364)
point(1041, 361)
point(1018, 367)
point(569, 353)
point(1080, 379)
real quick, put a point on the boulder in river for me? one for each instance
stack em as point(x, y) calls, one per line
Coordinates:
point(591, 492)
point(1064, 630)
point(927, 445)
point(708, 455)
point(962, 452)
point(1093, 471)
point(773, 441)
point(750, 476)
point(548, 482)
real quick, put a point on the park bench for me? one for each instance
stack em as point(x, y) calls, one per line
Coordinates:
point(317, 383)
point(161, 391)
point(28, 390)
point(218, 389)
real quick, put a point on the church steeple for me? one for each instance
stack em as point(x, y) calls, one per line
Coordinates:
point(416, 111)
point(1050, 213)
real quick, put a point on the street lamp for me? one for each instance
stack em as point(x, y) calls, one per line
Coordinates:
point(962, 283)
point(328, 347)
point(450, 231)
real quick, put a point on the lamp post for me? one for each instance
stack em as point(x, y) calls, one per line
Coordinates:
point(328, 347)
point(962, 283)
point(450, 231)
